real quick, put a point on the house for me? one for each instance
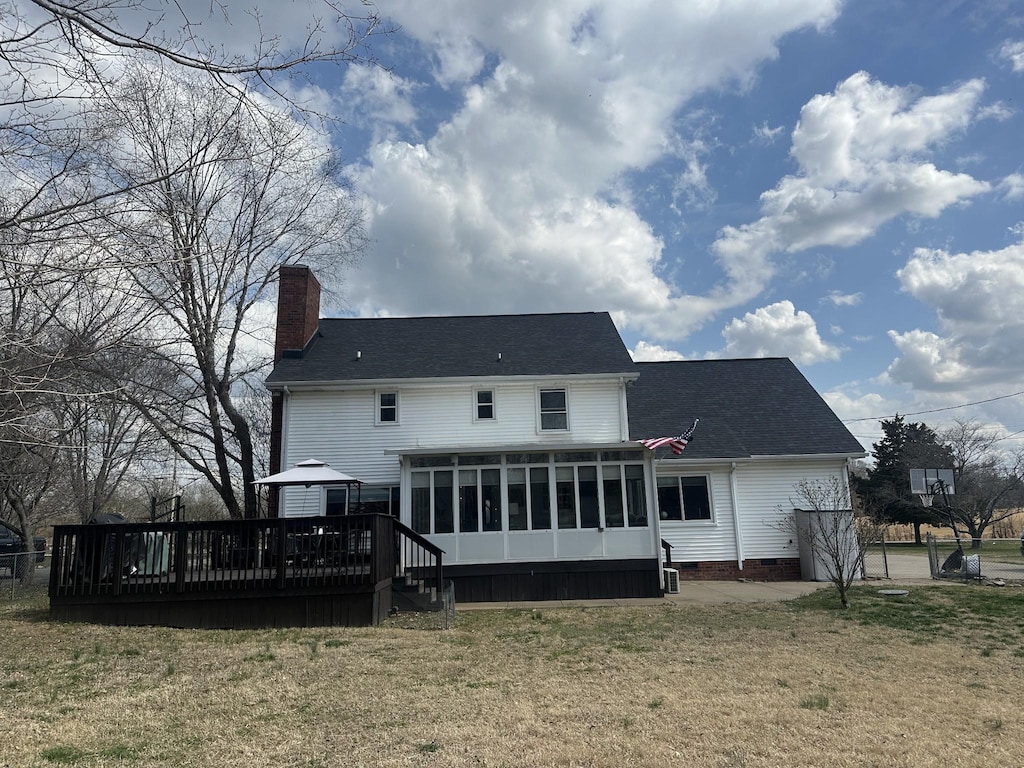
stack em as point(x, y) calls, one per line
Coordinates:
point(509, 441)
point(763, 429)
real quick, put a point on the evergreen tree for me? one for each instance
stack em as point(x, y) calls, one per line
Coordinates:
point(886, 489)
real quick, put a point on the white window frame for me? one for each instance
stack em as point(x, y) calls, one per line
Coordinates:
point(377, 395)
point(477, 404)
point(682, 506)
point(540, 413)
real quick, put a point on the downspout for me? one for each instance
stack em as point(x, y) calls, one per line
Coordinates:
point(623, 411)
point(736, 516)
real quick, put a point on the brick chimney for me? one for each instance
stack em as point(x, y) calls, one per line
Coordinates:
point(298, 309)
point(298, 316)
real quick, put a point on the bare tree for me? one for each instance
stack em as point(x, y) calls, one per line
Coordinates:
point(988, 482)
point(245, 190)
point(837, 535)
point(101, 439)
point(59, 57)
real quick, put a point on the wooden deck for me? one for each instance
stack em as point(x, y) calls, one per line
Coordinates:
point(237, 574)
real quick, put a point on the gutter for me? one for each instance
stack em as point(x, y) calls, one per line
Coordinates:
point(441, 382)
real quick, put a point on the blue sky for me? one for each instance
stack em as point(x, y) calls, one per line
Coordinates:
point(839, 183)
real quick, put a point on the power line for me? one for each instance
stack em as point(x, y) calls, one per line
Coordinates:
point(936, 410)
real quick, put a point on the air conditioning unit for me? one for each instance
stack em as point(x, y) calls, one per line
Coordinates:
point(671, 578)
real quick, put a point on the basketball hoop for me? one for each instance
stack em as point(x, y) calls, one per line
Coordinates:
point(926, 498)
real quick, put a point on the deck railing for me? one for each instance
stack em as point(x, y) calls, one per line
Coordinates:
point(221, 556)
point(418, 564)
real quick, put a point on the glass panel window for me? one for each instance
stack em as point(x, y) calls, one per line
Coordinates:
point(526, 458)
point(469, 515)
point(490, 493)
point(620, 456)
point(517, 509)
point(575, 456)
point(477, 460)
point(370, 500)
point(612, 480)
point(670, 505)
point(387, 407)
point(396, 499)
point(590, 510)
point(444, 510)
point(540, 499)
point(421, 502)
point(485, 404)
point(696, 500)
point(431, 461)
point(337, 501)
point(636, 498)
point(554, 413)
point(565, 496)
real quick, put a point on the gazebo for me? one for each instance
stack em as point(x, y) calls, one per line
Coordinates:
point(312, 472)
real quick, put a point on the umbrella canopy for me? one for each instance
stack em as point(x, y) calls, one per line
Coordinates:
point(307, 473)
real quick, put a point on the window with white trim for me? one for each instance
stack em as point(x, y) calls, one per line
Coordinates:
point(686, 498)
point(554, 410)
point(484, 405)
point(387, 407)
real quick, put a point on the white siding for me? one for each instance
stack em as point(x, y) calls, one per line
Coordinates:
point(765, 495)
point(700, 540)
point(338, 427)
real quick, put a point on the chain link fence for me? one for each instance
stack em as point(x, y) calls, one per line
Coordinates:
point(876, 561)
point(967, 560)
point(24, 575)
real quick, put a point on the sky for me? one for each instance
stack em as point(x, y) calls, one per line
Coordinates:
point(838, 183)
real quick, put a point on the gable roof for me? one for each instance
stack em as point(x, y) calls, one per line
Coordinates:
point(750, 407)
point(354, 349)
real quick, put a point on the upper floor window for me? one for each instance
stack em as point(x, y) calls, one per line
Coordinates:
point(554, 412)
point(387, 407)
point(484, 404)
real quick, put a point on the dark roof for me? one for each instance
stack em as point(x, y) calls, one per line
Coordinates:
point(755, 407)
point(430, 347)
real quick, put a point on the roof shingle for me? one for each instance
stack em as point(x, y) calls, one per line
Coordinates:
point(353, 349)
point(749, 407)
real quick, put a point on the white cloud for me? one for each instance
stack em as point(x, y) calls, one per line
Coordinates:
point(514, 203)
point(1012, 186)
point(979, 301)
point(778, 330)
point(1013, 52)
point(841, 299)
point(861, 153)
point(371, 95)
point(998, 111)
point(765, 135)
point(645, 352)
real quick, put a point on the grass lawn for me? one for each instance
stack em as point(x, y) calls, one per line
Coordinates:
point(934, 678)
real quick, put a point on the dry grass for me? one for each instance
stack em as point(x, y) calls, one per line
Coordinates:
point(934, 678)
point(1008, 528)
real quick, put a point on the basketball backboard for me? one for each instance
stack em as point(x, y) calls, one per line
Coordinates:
point(927, 481)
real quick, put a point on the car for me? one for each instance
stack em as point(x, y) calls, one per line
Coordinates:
point(12, 543)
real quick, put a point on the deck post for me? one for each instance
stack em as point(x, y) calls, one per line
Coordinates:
point(118, 564)
point(282, 551)
point(56, 561)
point(180, 551)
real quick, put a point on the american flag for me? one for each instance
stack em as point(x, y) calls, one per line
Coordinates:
point(677, 443)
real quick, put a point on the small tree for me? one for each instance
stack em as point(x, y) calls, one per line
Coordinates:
point(838, 535)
